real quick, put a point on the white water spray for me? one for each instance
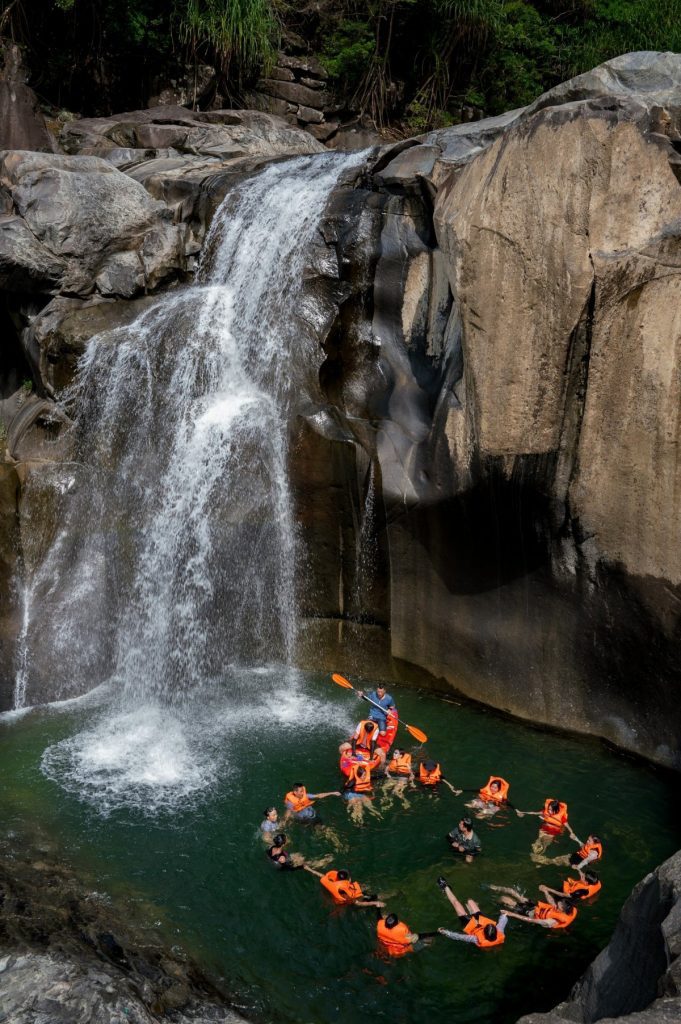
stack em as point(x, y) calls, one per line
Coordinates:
point(174, 561)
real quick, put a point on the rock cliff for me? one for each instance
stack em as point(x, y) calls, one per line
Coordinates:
point(486, 465)
point(637, 977)
point(506, 364)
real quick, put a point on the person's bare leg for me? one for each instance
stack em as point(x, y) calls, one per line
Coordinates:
point(458, 907)
point(473, 907)
point(508, 891)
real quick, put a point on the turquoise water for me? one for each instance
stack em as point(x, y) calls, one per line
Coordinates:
point(161, 811)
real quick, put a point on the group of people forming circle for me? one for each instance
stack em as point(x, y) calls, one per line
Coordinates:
point(369, 754)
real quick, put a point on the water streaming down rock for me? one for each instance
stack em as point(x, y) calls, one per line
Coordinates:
point(174, 557)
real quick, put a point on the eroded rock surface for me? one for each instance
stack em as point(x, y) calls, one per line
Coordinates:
point(637, 977)
point(68, 956)
point(506, 367)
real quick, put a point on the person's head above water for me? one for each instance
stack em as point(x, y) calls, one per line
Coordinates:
point(490, 932)
point(342, 875)
point(554, 807)
point(495, 785)
point(391, 920)
point(430, 766)
point(465, 824)
point(271, 813)
point(566, 905)
point(297, 787)
point(591, 877)
point(593, 839)
point(279, 840)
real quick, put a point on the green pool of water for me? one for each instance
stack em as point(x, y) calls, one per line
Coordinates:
point(162, 810)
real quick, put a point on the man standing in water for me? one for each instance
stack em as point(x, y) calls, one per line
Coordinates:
point(464, 840)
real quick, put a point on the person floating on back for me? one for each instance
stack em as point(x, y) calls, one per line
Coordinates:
point(464, 841)
point(491, 797)
point(430, 775)
point(477, 929)
point(343, 890)
point(549, 913)
point(299, 803)
point(584, 887)
point(554, 816)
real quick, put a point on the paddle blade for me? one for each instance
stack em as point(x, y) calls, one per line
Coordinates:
point(342, 681)
point(416, 733)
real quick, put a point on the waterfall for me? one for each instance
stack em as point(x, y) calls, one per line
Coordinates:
point(174, 554)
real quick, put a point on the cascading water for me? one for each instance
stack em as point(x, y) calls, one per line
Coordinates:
point(173, 565)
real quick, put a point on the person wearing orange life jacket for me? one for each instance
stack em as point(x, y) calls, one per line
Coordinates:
point(588, 852)
point(398, 775)
point(348, 759)
point(299, 802)
point(365, 736)
point(549, 913)
point(554, 816)
point(491, 797)
point(395, 937)
point(343, 890)
point(477, 929)
point(358, 790)
point(584, 887)
point(430, 775)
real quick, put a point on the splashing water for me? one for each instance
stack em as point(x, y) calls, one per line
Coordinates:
point(175, 551)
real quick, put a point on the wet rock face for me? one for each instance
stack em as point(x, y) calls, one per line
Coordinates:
point(87, 239)
point(67, 954)
point(506, 361)
point(637, 976)
point(22, 125)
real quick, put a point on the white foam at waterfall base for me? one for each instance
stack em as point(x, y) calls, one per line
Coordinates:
point(155, 759)
point(177, 548)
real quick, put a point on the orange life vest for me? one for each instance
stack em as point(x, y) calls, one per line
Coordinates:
point(582, 890)
point(343, 891)
point(554, 823)
point(489, 797)
point(477, 927)
point(366, 733)
point(545, 911)
point(401, 765)
point(298, 802)
point(387, 739)
point(396, 940)
point(359, 778)
point(588, 848)
point(345, 763)
point(430, 778)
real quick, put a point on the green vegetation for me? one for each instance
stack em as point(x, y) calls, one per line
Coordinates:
point(413, 64)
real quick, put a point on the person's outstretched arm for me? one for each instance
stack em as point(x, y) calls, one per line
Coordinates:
point(312, 870)
point(543, 922)
point(457, 936)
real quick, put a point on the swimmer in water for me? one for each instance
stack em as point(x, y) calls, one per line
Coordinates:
point(554, 818)
point(464, 841)
point(270, 824)
point(344, 891)
point(281, 859)
point(299, 803)
point(430, 776)
point(399, 775)
point(358, 791)
point(477, 929)
point(491, 797)
point(549, 913)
